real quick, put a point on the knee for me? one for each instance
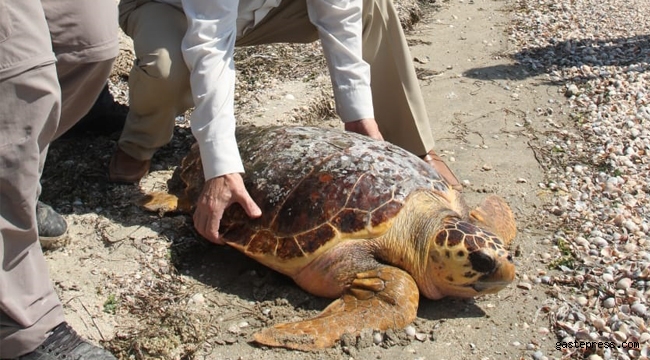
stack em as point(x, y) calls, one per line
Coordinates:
point(162, 64)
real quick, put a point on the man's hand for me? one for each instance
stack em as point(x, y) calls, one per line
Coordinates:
point(366, 127)
point(219, 193)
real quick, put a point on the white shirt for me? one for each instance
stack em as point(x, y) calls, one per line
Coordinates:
point(208, 48)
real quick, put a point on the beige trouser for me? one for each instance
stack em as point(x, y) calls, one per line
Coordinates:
point(160, 88)
point(38, 101)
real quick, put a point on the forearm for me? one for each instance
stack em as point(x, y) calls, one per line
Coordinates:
point(208, 48)
point(340, 28)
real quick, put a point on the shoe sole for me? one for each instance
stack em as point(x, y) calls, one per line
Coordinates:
point(54, 242)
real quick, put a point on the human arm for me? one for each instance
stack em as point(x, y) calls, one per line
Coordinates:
point(339, 25)
point(208, 48)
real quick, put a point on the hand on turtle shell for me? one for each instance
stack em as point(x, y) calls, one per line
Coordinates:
point(219, 193)
point(366, 127)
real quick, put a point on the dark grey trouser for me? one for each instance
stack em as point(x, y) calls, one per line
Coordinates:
point(39, 100)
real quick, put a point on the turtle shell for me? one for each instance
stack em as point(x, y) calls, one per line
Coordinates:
point(315, 187)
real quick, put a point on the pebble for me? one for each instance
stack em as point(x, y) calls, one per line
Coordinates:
point(582, 300)
point(597, 165)
point(538, 355)
point(377, 338)
point(609, 303)
point(639, 309)
point(624, 283)
point(608, 277)
point(410, 331)
point(644, 338)
point(525, 285)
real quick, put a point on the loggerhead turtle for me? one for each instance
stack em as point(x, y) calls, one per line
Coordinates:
point(354, 219)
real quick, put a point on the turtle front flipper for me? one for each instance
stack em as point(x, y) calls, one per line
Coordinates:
point(380, 299)
point(495, 214)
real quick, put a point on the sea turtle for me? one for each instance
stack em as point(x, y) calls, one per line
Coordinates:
point(358, 220)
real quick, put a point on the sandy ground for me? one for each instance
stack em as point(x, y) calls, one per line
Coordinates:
point(147, 287)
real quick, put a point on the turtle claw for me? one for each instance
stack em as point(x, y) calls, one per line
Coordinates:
point(394, 306)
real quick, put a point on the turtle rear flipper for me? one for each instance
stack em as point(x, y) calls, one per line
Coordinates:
point(495, 214)
point(378, 299)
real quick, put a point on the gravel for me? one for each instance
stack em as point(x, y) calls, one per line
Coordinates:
point(599, 168)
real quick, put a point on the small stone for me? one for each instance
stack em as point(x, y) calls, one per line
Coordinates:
point(599, 323)
point(242, 324)
point(644, 338)
point(234, 329)
point(543, 331)
point(486, 167)
point(639, 309)
point(197, 299)
point(582, 300)
point(572, 90)
point(410, 331)
point(377, 338)
point(624, 283)
point(290, 97)
point(620, 336)
point(609, 303)
point(421, 336)
point(524, 285)
point(594, 357)
point(608, 277)
point(538, 355)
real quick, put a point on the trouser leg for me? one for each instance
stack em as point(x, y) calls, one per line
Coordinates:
point(159, 80)
point(29, 306)
point(80, 86)
point(85, 41)
point(399, 106)
point(29, 115)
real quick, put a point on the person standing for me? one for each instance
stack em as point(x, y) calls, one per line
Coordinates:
point(55, 57)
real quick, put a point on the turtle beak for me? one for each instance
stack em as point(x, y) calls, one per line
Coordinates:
point(501, 276)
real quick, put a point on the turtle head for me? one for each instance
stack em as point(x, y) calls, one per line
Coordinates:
point(466, 261)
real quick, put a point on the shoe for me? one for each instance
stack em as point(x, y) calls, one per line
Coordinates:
point(52, 227)
point(126, 169)
point(445, 172)
point(65, 343)
point(106, 117)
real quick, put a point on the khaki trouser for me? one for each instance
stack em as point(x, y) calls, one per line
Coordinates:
point(160, 87)
point(38, 101)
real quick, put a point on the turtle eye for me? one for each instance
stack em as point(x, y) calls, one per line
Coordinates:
point(482, 262)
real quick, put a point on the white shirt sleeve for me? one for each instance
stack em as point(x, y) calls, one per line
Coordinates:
point(340, 27)
point(208, 48)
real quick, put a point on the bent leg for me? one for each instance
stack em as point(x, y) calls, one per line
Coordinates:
point(159, 85)
point(289, 22)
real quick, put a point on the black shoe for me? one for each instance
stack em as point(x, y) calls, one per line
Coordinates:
point(106, 117)
point(65, 343)
point(52, 227)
